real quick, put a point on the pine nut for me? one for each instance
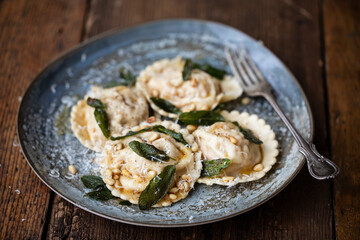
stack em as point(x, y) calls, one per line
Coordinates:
point(119, 146)
point(118, 164)
point(228, 179)
point(173, 190)
point(72, 169)
point(258, 167)
point(186, 177)
point(109, 181)
point(194, 148)
point(151, 119)
point(155, 93)
point(138, 178)
point(115, 192)
point(172, 196)
point(153, 137)
point(245, 101)
point(125, 172)
point(151, 174)
point(183, 185)
point(193, 82)
point(233, 140)
point(204, 108)
point(116, 177)
point(108, 173)
point(117, 184)
point(191, 128)
point(116, 171)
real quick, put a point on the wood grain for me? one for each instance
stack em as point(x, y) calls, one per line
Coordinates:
point(342, 43)
point(291, 30)
point(31, 33)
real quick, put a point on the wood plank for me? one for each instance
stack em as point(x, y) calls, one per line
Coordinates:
point(31, 33)
point(291, 30)
point(342, 48)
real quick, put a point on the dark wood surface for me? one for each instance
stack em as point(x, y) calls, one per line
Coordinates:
point(317, 40)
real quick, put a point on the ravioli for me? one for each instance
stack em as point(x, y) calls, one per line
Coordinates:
point(121, 104)
point(127, 174)
point(163, 79)
point(248, 161)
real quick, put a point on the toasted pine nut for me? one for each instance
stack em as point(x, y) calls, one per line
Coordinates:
point(138, 178)
point(186, 177)
point(116, 177)
point(109, 181)
point(119, 146)
point(228, 179)
point(151, 119)
point(173, 190)
point(205, 108)
point(191, 107)
point(115, 192)
point(172, 196)
point(245, 101)
point(233, 140)
point(153, 137)
point(117, 184)
point(108, 173)
point(151, 174)
point(125, 172)
point(193, 82)
point(191, 128)
point(116, 171)
point(72, 169)
point(118, 164)
point(258, 167)
point(183, 185)
point(194, 148)
point(155, 93)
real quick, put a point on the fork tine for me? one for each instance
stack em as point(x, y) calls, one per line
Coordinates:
point(253, 66)
point(245, 64)
point(231, 62)
point(241, 74)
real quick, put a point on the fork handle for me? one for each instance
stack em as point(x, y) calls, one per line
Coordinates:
point(319, 167)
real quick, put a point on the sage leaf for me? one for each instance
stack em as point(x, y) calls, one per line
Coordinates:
point(103, 121)
point(148, 151)
point(157, 128)
point(212, 71)
point(199, 118)
point(125, 203)
point(157, 188)
point(92, 182)
point(95, 103)
point(131, 133)
point(175, 135)
point(213, 167)
point(248, 134)
point(127, 78)
point(165, 105)
point(103, 194)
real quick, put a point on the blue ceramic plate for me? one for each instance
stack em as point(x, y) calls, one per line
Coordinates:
point(49, 145)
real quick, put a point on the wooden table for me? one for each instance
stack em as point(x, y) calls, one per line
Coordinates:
point(318, 40)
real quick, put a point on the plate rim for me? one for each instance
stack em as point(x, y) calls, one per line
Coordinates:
point(119, 31)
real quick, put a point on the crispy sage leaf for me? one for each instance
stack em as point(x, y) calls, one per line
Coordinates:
point(101, 194)
point(190, 65)
point(213, 167)
point(103, 121)
point(157, 128)
point(248, 134)
point(175, 135)
point(165, 105)
point(125, 203)
point(157, 188)
point(198, 118)
point(95, 103)
point(93, 182)
point(127, 78)
point(148, 151)
point(131, 133)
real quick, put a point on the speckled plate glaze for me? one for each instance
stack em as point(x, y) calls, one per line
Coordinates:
point(49, 146)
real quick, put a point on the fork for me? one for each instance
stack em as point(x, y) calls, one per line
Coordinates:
point(254, 84)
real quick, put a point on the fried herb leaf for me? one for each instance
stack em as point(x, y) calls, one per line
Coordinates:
point(248, 134)
point(103, 121)
point(157, 128)
point(157, 188)
point(93, 182)
point(95, 103)
point(101, 194)
point(190, 65)
point(213, 167)
point(125, 203)
point(148, 151)
point(131, 133)
point(175, 135)
point(198, 118)
point(127, 78)
point(165, 105)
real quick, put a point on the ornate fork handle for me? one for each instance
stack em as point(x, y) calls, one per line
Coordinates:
point(319, 166)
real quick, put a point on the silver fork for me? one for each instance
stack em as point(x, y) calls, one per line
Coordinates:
point(254, 84)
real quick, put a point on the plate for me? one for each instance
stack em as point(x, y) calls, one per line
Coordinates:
point(50, 147)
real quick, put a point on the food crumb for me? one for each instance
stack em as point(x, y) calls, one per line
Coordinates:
point(23, 219)
point(245, 101)
point(17, 191)
point(72, 169)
